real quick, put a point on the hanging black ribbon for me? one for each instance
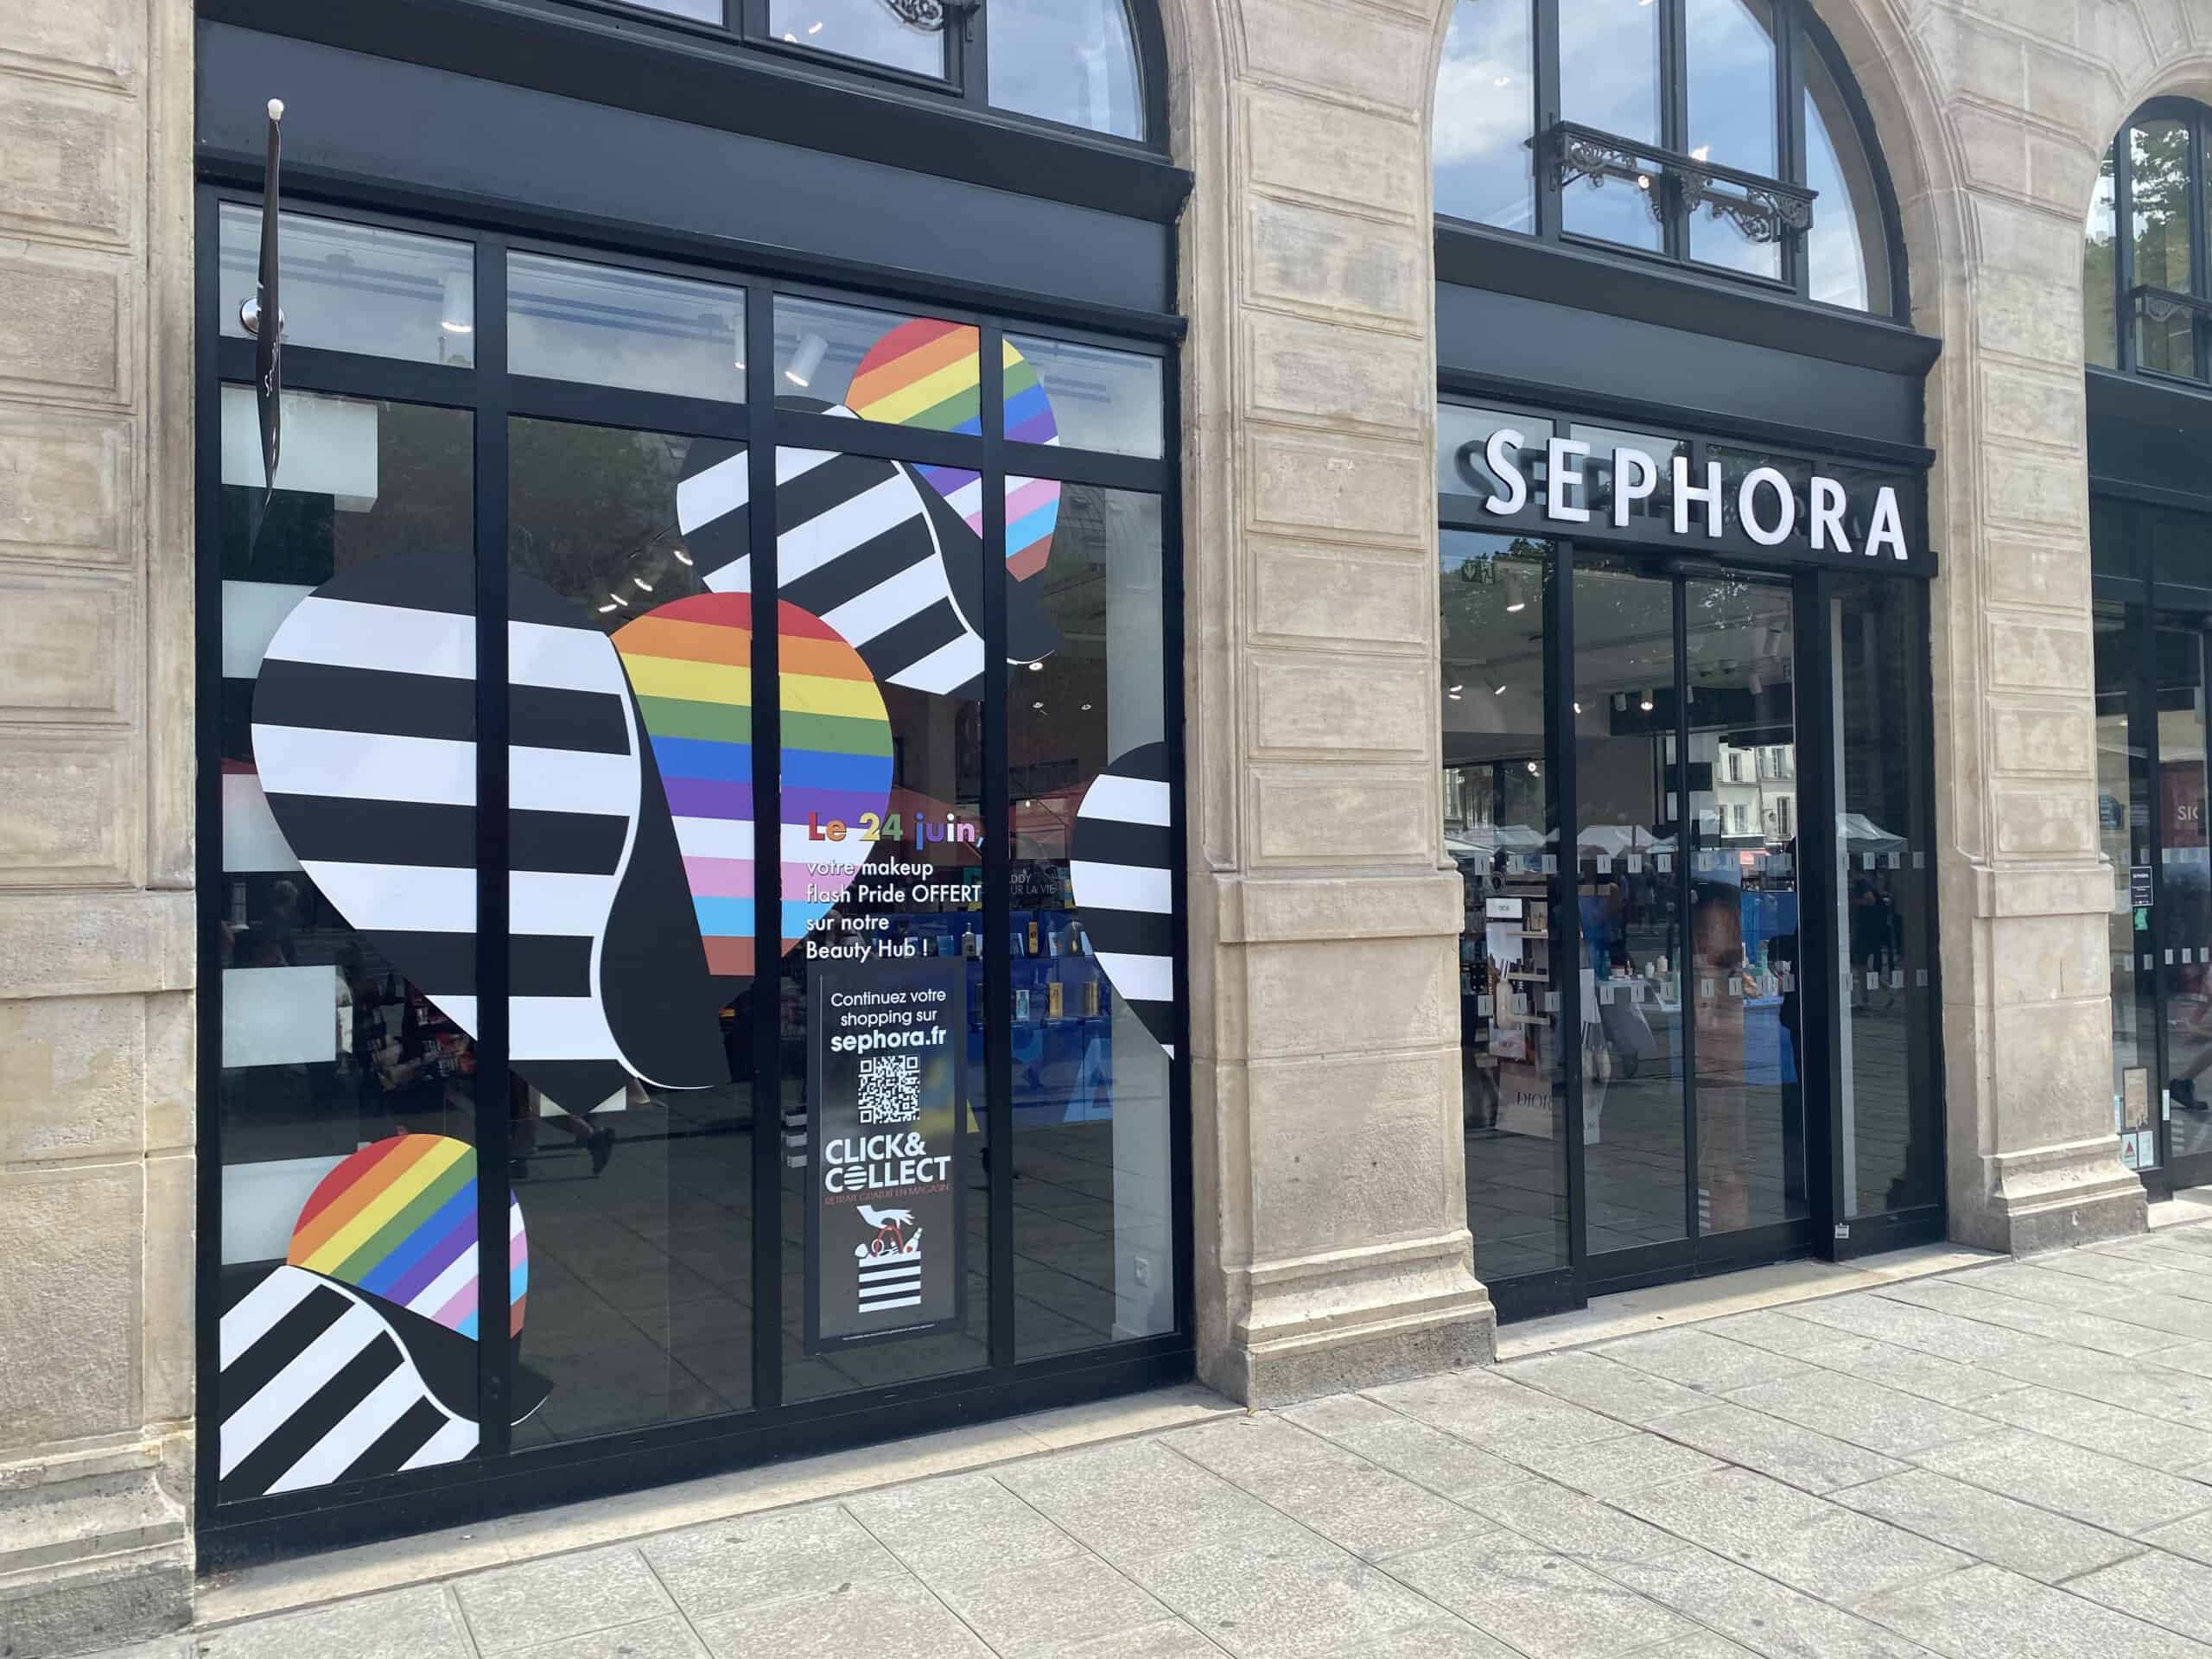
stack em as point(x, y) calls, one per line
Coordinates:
point(268, 323)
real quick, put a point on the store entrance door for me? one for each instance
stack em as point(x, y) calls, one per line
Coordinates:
point(1691, 1068)
point(2152, 800)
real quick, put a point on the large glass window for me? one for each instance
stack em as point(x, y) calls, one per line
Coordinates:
point(1072, 60)
point(807, 619)
point(1670, 137)
point(2146, 298)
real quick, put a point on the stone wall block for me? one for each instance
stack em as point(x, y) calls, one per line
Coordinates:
point(2024, 487)
point(66, 152)
point(2027, 314)
point(69, 1302)
point(1361, 491)
point(2018, 570)
point(65, 645)
point(1316, 259)
point(65, 488)
point(1322, 1175)
point(1338, 49)
point(65, 329)
point(2051, 958)
point(2058, 742)
point(172, 1066)
point(1994, 146)
point(1966, 56)
point(2049, 1058)
point(72, 1072)
point(2046, 823)
point(1374, 164)
point(68, 807)
point(1309, 373)
point(2036, 406)
point(1303, 814)
point(172, 1248)
point(102, 42)
point(2031, 654)
point(1310, 703)
point(2032, 241)
point(1303, 594)
point(1342, 996)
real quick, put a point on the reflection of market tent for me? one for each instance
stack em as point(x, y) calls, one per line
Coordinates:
point(1614, 839)
point(1860, 834)
point(1482, 839)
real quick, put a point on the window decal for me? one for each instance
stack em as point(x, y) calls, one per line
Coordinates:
point(1123, 875)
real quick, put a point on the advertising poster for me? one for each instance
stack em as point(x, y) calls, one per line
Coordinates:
point(887, 1080)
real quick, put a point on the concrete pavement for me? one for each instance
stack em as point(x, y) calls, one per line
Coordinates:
point(2010, 1460)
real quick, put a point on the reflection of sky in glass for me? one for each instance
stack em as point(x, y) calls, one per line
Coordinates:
point(1484, 113)
point(1069, 61)
point(1846, 260)
point(1731, 117)
point(858, 29)
point(1609, 78)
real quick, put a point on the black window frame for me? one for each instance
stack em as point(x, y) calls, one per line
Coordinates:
point(2127, 295)
point(1798, 31)
point(500, 1477)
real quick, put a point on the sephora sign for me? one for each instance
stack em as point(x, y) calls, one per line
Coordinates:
point(1595, 484)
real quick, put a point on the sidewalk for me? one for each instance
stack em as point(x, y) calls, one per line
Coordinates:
point(2010, 1460)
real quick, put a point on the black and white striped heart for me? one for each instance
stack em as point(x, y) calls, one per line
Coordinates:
point(365, 738)
point(324, 1391)
point(867, 546)
point(1123, 867)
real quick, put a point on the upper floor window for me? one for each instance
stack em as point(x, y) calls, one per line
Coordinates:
point(2147, 304)
point(1714, 133)
point(1072, 61)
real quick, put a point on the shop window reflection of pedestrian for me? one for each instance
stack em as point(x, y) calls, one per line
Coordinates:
point(1723, 1126)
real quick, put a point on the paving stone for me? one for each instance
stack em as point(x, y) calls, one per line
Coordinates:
point(2127, 1383)
point(1698, 1359)
point(2131, 1436)
point(656, 1638)
point(1862, 1413)
point(2076, 1325)
point(1947, 1382)
point(1605, 1468)
point(418, 1624)
point(2180, 1317)
point(2069, 1479)
point(1774, 1330)
point(1988, 1613)
point(1767, 1617)
point(2159, 1589)
point(960, 1527)
point(1491, 1412)
point(2011, 1533)
point(759, 1558)
point(1571, 1523)
point(1796, 1456)
point(565, 1595)
point(1340, 1495)
point(2191, 1538)
point(895, 1617)
point(1791, 1536)
point(2102, 1266)
point(1428, 1457)
point(1045, 1610)
point(1440, 1637)
point(2035, 1283)
point(1538, 1603)
point(1606, 1386)
point(1167, 1638)
point(1703, 1645)
point(1944, 1335)
point(1280, 1591)
point(1135, 1499)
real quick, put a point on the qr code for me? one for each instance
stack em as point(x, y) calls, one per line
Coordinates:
point(890, 1088)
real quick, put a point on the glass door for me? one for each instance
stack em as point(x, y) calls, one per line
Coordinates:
point(1684, 716)
point(2183, 912)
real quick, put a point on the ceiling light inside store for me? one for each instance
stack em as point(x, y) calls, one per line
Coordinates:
point(681, 558)
point(1646, 704)
point(1037, 667)
point(806, 362)
point(1498, 691)
point(1532, 766)
point(1452, 696)
point(458, 315)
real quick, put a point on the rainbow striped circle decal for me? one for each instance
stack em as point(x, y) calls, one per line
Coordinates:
point(928, 373)
point(690, 663)
point(397, 1220)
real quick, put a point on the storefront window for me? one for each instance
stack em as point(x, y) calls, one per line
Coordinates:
point(1653, 96)
point(608, 327)
point(2146, 298)
point(355, 288)
point(1072, 60)
point(2160, 213)
point(1498, 830)
point(859, 28)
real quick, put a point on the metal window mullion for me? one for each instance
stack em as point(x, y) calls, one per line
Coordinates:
point(1544, 43)
point(1180, 1157)
point(1820, 983)
point(2143, 735)
point(1791, 163)
point(1686, 894)
point(1675, 120)
point(1562, 810)
point(968, 41)
point(2198, 283)
point(766, 995)
point(495, 1352)
point(998, 856)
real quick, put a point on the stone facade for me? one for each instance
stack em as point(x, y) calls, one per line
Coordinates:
point(97, 1201)
point(1333, 1246)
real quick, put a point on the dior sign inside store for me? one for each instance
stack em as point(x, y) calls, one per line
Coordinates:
point(1553, 477)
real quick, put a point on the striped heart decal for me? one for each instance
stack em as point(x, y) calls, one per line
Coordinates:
point(1122, 869)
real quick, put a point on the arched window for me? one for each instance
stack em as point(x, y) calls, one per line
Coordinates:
point(2146, 304)
point(1639, 126)
point(1076, 62)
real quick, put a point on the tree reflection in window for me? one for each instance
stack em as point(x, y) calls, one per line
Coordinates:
point(2146, 301)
